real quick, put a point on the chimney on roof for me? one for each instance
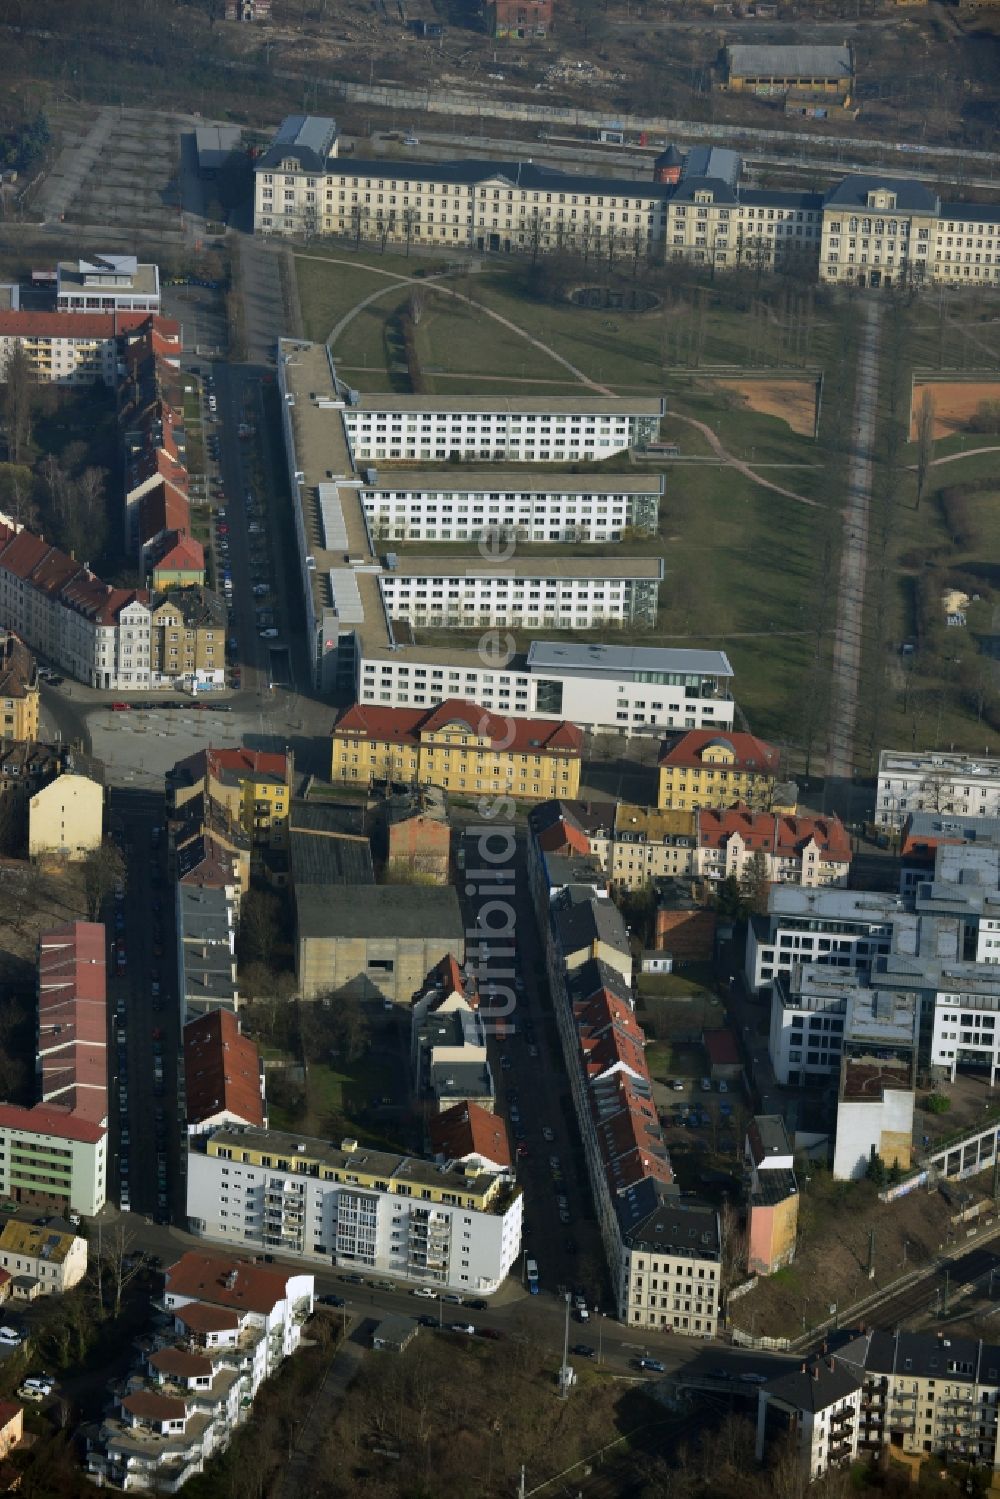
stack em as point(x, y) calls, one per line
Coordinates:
point(815, 1371)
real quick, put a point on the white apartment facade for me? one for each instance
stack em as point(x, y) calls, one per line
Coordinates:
point(829, 926)
point(534, 508)
point(806, 1035)
point(620, 688)
point(107, 283)
point(424, 592)
point(447, 1227)
point(968, 785)
point(62, 348)
point(498, 429)
point(883, 231)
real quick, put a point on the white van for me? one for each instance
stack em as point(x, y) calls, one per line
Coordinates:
point(531, 1271)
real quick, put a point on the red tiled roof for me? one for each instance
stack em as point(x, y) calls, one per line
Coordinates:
point(221, 1070)
point(408, 725)
point(185, 555)
point(162, 508)
point(467, 1129)
point(750, 752)
point(153, 462)
point(447, 976)
point(48, 1119)
point(72, 1019)
point(203, 1277)
point(609, 1035)
point(770, 832)
point(244, 762)
point(149, 1406)
point(87, 325)
point(721, 1047)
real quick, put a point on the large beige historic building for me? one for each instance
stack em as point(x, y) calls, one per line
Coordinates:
point(700, 212)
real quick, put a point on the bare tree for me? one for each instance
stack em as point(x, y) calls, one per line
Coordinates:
point(925, 442)
point(19, 379)
point(102, 868)
point(416, 306)
point(121, 1264)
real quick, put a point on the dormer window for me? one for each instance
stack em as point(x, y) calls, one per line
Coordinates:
point(881, 198)
point(703, 196)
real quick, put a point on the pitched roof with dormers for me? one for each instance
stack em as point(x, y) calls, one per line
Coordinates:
point(410, 726)
point(469, 1130)
point(749, 753)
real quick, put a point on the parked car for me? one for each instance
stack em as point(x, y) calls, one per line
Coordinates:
point(425, 1292)
point(651, 1365)
point(10, 1336)
point(583, 1350)
point(427, 1321)
point(330, 1300)
point(270, 634)
point(465, 1327)
point(706, 1085)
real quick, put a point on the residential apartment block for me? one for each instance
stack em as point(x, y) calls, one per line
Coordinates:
point(453, 1227)
point(837, 928)
point(233, 1325)
point(870, 229)
point(880, 1393)
point(772, 1195)
point(66, 818)
point(53, 1155)
point(632, 844)
point(708, 768)
point(407, 506)
point(352, 593)
point(72, 348)
point(810, 851)
point(42, 1259)
point(206, 949)
point(948, 784)
point(458, 746)
point(107, 283)
point(663, 1250)
point(223, 1074)
point(19, 693)
point(187, 628)
point(253, 786)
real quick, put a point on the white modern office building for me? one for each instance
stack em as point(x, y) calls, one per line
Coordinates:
point(966, 785)
point(568, 593)
point(834, 927)
point(528, 506)
point(450, 1226)
point(498, 429)
point(107, 283)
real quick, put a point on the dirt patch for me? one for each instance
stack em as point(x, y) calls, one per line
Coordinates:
point(831, 1258)
point(955, 402)
point(792, 401)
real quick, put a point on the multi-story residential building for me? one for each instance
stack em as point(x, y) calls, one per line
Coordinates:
point(926, 1392)
point(878, 1071)
point(188, 637)
point(376, 942)
point(890, 231)
point(564, 593)
point(234, 1324)
point(460, 506)
point(953, 785)
point(42, 1259)
point(206, 950)
point(357, 649)
point(95, 633)
point(673, 1261)
point(223, 1074)
point(54, 1154)
point(253, 786)
point(68, 348)
point(826, 925)
point(66, 818)
point(458, 746)
point(717, 768)
point(810, 851)
point(469, 1135)
point(925, 832)
point(632, 844)
point(107, 283)
point(354, 1206)
point(19, 693)
point(182, 565)
point(818, 1408)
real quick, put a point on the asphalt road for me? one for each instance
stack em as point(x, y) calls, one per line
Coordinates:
point(147, 1124)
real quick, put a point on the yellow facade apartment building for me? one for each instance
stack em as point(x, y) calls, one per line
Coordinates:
point(254, 787)
point(458, 746)
point(708, 768)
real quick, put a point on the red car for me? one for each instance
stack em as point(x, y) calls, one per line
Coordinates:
point(121, 707)
point(522, 1150)
point(223, 530)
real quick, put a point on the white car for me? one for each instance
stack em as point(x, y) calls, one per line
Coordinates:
point(426, 1292)
point(547, 1134)
point(268, 634)
point(10, 1336)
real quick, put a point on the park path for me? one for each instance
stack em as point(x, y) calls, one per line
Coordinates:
point(738, 463)
point(295, 1480)
point(847, 639)
point(954, 457)
point(397, 281)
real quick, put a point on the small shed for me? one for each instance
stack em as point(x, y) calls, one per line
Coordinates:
point(393, 1334)
point(656, 960)
point(723, 1054)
